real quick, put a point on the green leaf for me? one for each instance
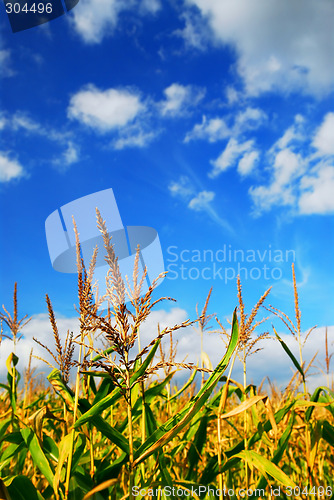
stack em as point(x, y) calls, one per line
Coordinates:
point(151, 426)
point(11, 451)
point(315, 397)
point(21, 488)
point(263, 465)
point(195, 449)
point(151, 394)
point(187, 384)
point(279, 415)
point(110, 471)
point(106, 387)
point(174, 425)
point(110, 432)
point(211, 469)
point(79, 447)
point(4, 495)
point(328, 432)
point(13, 437)
point(106, 351)
point(37, 454)
point(291, 356)
point(281, 447)
point(111, 399)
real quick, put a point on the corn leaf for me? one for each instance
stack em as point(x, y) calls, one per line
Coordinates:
point(21, 488)
point(37, 454)
point(315, 397)
point(263, 465)
point(291, 356)
point(243, 406)
point(4, 495)
point(64, 450)
point(281, 447)
point(174, 425)
point(328, 432)
point(110, 399)
point(196, 448)
point(187, 384)
point(100, 487)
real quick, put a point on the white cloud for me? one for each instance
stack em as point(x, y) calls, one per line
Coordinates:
point(216, 129)
point(298, 177)
point(21, 120)
point(318, 192)
point(195, 34)
point(182, 187)
point(94, 20)
point(39, 327)
point(213, 130)
point(69, 156)
point(292, 135)
point(232, 95)
point(178, 99)
point(247, 163)
point(5, 60)
point(287, 169)
point(137, 138)
point(9, 168)
point(265, 197)
point(287, 166)
point(324, 137)
point(272, 361)
point(105, 110)
point(229, 156)
point(249, 119)
point(3, 122)
point(280, 46)
point(150, 6)
point(201, 200)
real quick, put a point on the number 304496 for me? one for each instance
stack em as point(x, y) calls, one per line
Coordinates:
point(36, 8)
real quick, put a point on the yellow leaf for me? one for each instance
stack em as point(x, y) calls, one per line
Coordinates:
point(243, 406)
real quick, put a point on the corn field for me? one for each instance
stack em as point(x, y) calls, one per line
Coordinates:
point(117, 432)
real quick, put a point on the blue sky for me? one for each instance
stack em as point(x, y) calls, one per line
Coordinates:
point(212, 121)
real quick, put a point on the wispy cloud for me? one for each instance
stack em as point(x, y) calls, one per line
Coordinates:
point(5, 63)
point(22, 122)
point(69, 156)
point(197, 200)
point(179, 99)
point(135, 136)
